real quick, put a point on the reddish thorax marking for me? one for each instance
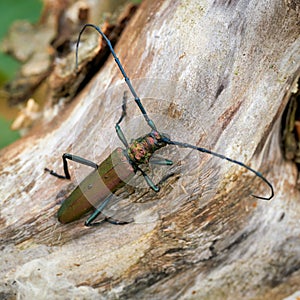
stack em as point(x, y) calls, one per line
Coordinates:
point(141, 149)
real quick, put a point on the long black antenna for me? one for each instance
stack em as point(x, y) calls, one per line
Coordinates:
point(186, 145)
point(127, 80)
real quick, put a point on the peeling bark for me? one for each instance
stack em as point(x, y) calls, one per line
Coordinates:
point(215, 74)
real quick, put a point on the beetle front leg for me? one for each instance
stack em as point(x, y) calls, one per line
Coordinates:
point(118, 127)
point(75, 158)
point(124, 108)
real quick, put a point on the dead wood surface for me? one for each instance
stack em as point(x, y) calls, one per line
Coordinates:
point(219, 75)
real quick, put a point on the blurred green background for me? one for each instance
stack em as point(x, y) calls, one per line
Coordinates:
point(11, 10)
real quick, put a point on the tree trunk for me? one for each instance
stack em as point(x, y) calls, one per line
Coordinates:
point(217, 75)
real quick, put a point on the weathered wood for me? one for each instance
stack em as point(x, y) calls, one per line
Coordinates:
point(221, 74)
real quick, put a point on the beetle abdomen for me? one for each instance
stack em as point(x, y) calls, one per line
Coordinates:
point(113, 173)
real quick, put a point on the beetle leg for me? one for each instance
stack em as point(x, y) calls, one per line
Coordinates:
point(161, 161)
point(124, 108)
point(151, 184)
point(117, 222)
point(97, 212)
point(118, 127)
point(75, 158)
point(121, 135)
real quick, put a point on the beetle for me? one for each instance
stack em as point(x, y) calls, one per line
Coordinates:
point(97, 189)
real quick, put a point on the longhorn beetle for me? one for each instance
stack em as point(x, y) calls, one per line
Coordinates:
point(122, 164)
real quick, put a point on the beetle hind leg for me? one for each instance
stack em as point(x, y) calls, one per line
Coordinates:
point(91, 219)
point(111, 220)
point(90, 223)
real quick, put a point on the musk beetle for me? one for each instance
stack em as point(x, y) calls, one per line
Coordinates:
point(122, 164)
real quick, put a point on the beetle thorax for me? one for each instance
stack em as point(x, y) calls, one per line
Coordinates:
point(141, 149)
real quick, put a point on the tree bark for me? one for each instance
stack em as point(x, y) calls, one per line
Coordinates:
point(215, 74)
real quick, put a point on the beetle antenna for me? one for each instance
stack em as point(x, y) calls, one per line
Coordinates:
point(127, 80)
point(186, 145)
